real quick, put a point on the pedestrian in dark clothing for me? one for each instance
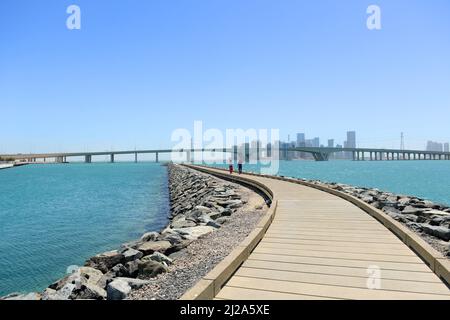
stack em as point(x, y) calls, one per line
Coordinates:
point(240, 166)
point(230, 167)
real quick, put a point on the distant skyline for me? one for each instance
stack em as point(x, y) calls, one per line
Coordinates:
point(137, 70)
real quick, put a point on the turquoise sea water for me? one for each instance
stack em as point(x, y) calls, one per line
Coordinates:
point(426, 179)
point(53, 216)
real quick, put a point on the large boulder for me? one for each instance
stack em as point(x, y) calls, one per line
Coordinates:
point(83, 283)
point(19, 296)
point(150, 236)
point(152, 246)
point(158, 257)
point(150, 268)
point(118, 289)
point(183, 223)
point(79, 277)
point(193, 233)
point(223, 220)
point(105, 261)
point(131, 254)
point(62, 293)
point(89, 291)
point(119, 270)
point(134, 283)
point(132, 268)
point(438, 232)
point(413, 210)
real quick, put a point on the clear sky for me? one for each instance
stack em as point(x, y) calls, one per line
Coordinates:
point(139, 69)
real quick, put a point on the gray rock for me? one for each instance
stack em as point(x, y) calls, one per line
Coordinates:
point(176, 255)
point(214, 215)
point(135, 283)
point(131, 254)
point(415, 226)
point(436, 221)
point(118, 290)
point(213, 224)
point(227, 212)
point(81, 276)
point(151, 268)
point(410, 217)
point(183, 223)
point(89, 291)
point(26, 296)
point(438, 232)
point(158, 257)
point(430, 212)
point(105, 261)
point(223, 220)
point(203, 209)
point(49, 294)
point(391, 211)
point(430, 204)
point(377, 204)
point(177, 247)
point(150, 236)
point(152, 246)
point(173, 238)
point(132, 268)
point(404, 201)
point(65, 292)
point(412, 210)
point(193, 233)
point(392, 199)
point(367, 199)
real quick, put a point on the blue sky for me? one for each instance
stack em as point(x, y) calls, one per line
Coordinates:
point(139, 69)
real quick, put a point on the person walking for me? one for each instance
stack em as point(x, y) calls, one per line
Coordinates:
point(240, 165)
point(230, 166)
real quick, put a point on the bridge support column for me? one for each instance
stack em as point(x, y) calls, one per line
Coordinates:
point(135, 157)
point(357, 155)
point(112, 157)
point(354, 155)
point(321, 156)
point(88, 158)
point(157, 157)
point(371, 156)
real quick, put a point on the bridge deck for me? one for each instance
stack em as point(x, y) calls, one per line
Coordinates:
point(320, 246)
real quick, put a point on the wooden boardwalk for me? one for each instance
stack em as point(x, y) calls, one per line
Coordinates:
point(320, 246)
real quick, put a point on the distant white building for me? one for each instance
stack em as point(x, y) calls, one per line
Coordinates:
point(434, 146)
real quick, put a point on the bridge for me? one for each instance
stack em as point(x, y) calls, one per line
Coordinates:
point(319, 154)
point(359, 154)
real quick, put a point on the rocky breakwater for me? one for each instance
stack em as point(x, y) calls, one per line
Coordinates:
point(428, 219)
point(200, 204)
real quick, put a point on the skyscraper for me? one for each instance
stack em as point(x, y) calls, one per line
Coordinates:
point(351, 139)
point(350, 143)
point(434, 146)
point(300, 139)
point(330, 143)
point(316, 142)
